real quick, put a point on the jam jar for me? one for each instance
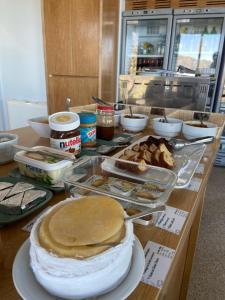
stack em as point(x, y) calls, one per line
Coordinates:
point(65, 132)
point(105, 122)
point(87, 129)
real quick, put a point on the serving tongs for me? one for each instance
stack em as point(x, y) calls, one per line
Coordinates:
point(48, 151)
point(178, 144)
point(100, 101)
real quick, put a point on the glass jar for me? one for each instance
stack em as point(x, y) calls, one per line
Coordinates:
point(105, 122)
point(65, 132)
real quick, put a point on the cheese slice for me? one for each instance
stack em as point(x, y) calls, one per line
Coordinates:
point(13, 201)
point(20, 187)
point(4, 193)
point(4, 185)
point(30, 196)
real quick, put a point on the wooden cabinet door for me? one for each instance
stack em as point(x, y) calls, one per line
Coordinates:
point(72, 37)
point(78, 89)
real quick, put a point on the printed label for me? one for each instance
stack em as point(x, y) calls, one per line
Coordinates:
point(88, 134)
point(172, 219)
point(200, 169)
point(158, 259)
point(72, 145)
point(195, 184)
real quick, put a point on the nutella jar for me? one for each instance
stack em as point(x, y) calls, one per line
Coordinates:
point(65, 132)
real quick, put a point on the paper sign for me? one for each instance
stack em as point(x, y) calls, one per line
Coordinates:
point(30, 224)
point(158, 259)
point(200, 169)
point(172, 219)
point(194, 184)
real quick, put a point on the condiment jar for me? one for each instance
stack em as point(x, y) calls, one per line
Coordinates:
point(65, 132)
point(105, 122)
point(87, 129)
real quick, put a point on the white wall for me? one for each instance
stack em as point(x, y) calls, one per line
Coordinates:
point(21, 52)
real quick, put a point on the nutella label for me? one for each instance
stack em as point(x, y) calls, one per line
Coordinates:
point(72, 145)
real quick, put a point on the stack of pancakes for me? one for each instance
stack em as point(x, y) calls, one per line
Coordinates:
point(82, 228)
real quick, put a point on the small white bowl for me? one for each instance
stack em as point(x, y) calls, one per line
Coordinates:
point(134, 124)
point(7, 150)
point(170, 129)
point(192, 132)
point(40, 126)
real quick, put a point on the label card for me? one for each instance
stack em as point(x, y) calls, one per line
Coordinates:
point(158, 259)
point(30, 224)
point(194, 184)
point(200, 169)
point(172, 219)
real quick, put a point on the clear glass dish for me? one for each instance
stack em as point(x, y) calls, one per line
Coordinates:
point(186, 161)
point(103, 175)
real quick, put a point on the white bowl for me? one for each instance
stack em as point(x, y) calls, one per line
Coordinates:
point(192, 132)
point(40, 126)
point(132, 124)
point(170, 129)
point(7, 150)
point(70, 278)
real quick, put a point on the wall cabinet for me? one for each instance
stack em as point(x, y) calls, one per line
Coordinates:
point(80, 50)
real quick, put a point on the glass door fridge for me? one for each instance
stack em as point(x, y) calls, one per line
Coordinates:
point(197, 44)
point(145, 41)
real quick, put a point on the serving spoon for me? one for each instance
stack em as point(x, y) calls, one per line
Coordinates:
point(178, 144)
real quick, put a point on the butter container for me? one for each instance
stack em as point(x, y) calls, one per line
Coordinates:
point(44, 168)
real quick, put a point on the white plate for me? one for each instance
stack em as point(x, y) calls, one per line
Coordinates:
point(29, 289)
point(186, 160)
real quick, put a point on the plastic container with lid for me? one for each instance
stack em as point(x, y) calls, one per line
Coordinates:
point(65, 132)
point(88, 129)
point(46, 169)
point(105, 122)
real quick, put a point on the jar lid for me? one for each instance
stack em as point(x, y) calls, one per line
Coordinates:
point(105, 107)
point(64, 121)
point(86, 117)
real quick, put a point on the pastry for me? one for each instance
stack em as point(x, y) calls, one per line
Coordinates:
point(153, 187)
point(99, 181)
point(146, 195)
point(83, 271)
point(153, 151)
point(105, 218)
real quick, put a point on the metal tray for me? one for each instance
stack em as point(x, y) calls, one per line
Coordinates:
point(95, 167)
point(186, 160)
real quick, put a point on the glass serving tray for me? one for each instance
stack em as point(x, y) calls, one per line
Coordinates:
point(186, 161)
point(101, 175)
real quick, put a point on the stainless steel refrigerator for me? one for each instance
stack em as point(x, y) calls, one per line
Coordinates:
point(145, 40)
point(179, 40)
point(197, 43)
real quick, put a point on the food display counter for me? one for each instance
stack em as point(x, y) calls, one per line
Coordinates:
point(173, 281)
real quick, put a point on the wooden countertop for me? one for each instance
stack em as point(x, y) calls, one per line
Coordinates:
point(176, 283)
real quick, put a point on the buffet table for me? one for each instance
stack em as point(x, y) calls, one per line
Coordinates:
point(176, 283)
